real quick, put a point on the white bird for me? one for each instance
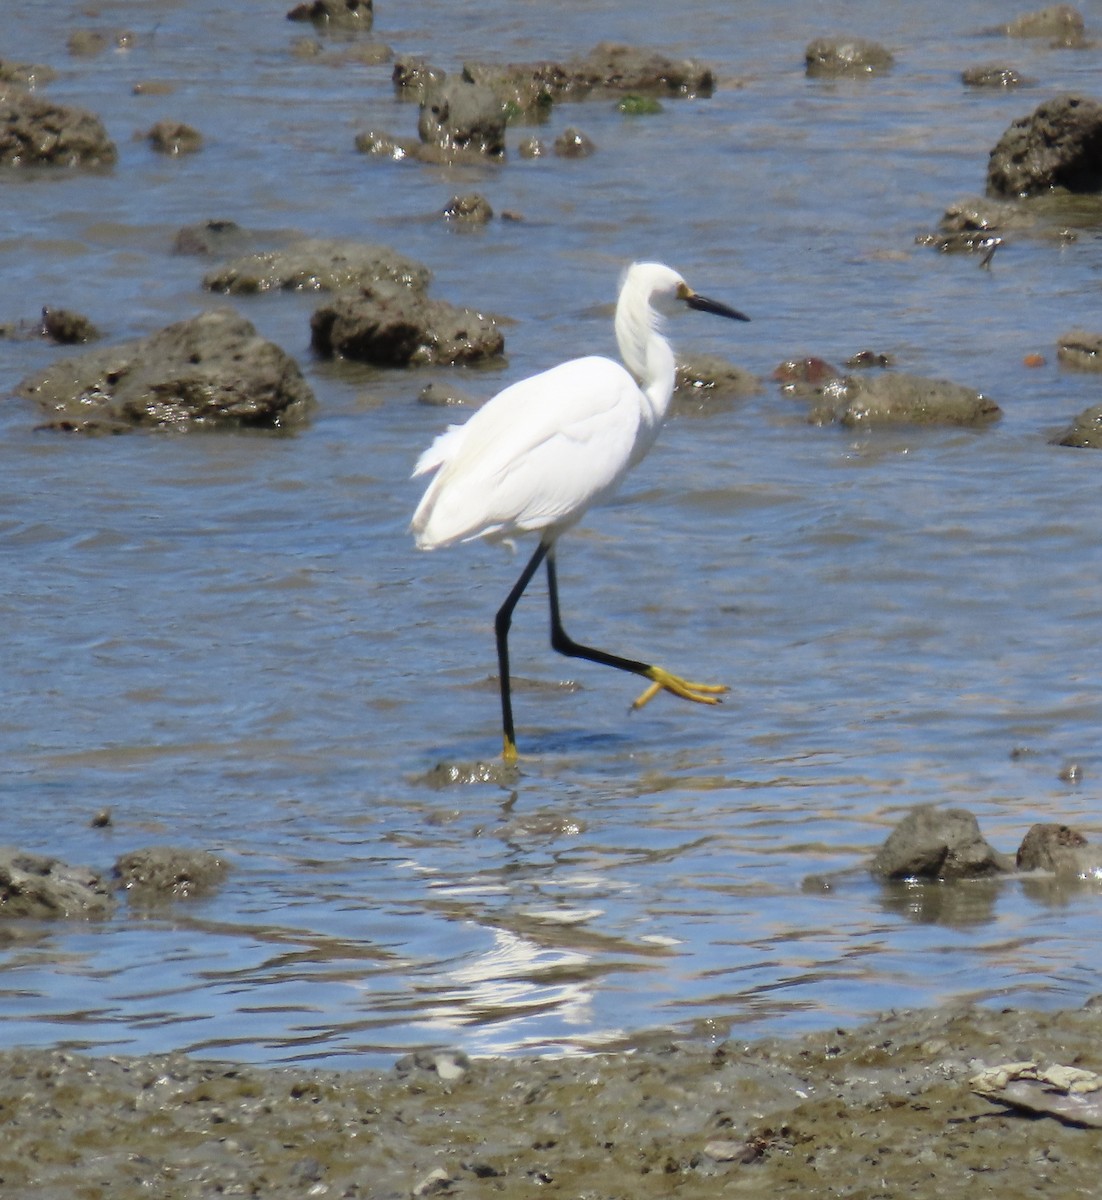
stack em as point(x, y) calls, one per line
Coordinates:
point(538, 454)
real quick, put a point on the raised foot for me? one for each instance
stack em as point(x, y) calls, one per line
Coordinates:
point(663, 681)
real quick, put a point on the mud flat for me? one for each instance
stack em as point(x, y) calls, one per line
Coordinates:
point(885, 1110)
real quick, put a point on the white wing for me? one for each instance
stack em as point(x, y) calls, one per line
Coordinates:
point(534, 457)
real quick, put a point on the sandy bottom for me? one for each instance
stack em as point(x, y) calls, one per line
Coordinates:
point(885, 1110)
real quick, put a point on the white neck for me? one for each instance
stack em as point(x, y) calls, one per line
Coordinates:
point(646, 353)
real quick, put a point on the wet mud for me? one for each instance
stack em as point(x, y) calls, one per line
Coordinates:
point(887, 1110)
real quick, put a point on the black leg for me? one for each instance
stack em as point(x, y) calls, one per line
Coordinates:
point(660, 679)
point(502, 622)
point(565, 644)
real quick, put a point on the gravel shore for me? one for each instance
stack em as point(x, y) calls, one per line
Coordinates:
point(885, 1110)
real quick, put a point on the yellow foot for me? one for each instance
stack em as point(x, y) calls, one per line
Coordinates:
point(663, 681)
point(509, 750)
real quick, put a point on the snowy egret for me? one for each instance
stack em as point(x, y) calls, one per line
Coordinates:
point(537, 455)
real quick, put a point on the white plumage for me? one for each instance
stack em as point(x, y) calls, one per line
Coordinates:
point(535, 457)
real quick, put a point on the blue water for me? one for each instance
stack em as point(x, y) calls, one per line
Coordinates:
point(230, 643)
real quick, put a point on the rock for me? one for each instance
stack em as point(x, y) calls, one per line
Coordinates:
point(207, 372)
point(635, 105)
point(572, 143)
point(37, 887)
point(1080, 351)
point(609, 68)
point(383, 145)
point(1061, 22)
point(208, 237)
point(316, 264)
point(26, 75)
point(168, 872)
point(438, 395)
point(174, 137)
point(471, 209)
point(991, 75)
point(1058, 145)
point(1059, 849)
point(461, 117)
point(392, 326)
point(532, 147)
point(86, 43)
point(67, 328)
point(707, 384)
point(895, 397)
point(850, 57)
point(977, 223)
point(343, 15)
point(36, 132)
point(1085, 432)
point(412, 76)
point(938, 843)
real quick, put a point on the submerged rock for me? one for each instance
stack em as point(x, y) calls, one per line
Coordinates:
point(167, 872)
point(884, 398)
point(37, 887)
point(211, 371)
point(1081, 351)
point(1060, 21)
point(36, 132)
point(852, 57)
point(609, 68)
point(938, 843)
point(1085, 432)
point(343, 15)
point(1058, 145)
point(991, 75)
point(457, 116)
point(317, 264)
point(706, 384)
point(174, 138)
point(1058, 849)
point(67, 328)
point(392, 326)
point(469, 209)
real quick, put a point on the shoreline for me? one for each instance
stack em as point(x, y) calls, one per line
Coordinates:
point(885, 1109)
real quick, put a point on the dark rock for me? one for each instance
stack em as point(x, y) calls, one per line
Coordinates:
point(609, 68)
point(34, 886)
point(1081, 351)
point(168, 872)
point(25, 75)
point(392, 326)
point(211, 371)
point(87, 43)
point(572, 143)
point(343, 15)
point(1061, 21)
point(67, 328)
point(706, 384)
point(991, 75)
point(471, 209)
point(383, 145)
point(174, 137)
point(317, 264)
point(1058, 145)
point(1057, 848)
point(938, 843)
point(208, 237)
point(895, 397)
point(850, 57)
point(1085, 432)
point(463, 117)
point(439, 395)
point(411, 76)
point(37, 132)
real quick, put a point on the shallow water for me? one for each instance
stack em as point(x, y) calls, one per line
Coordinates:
point(230, 643)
